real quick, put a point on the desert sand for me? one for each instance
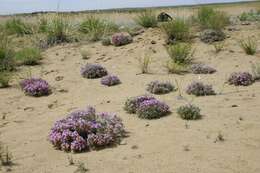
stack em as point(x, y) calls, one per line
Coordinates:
point(165, 145)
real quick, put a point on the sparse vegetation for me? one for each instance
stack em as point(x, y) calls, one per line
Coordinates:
point(122, 38)
point(189, 112)
point(5, 78)
point(144, 64)
point(249, 45)
point(250, 16)
point(176, 30)
point(7, 62)
point(202, 69)
point(106, 41)
point(209, 18)
point(28, 56)
point(85, 54)
point(5, 156)
point(17, 26)
point(200, 89)
point(219, 46)
point(176, 68)
point(92, 71)
point(241, 78)
point(110, 80)
point(256, 71)
point(157, 87)
point(132, 104)
point(147, 19)
point(81, 168)
point(181, 53)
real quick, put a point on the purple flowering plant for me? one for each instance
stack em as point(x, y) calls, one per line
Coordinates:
point(86, 130)
point(157, 87)
point(202, 69)
point(110, 80)
point(241, 78)
point(35, 87)
point(92, 71)
point(200, 89)
point(132, 104)
point(151, 109)
point(122, 38)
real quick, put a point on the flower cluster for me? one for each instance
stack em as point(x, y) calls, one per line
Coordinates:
point(110, 80)
point(150, 109)
point(240, 78)
point(35, 87)
point(85, 129)
point(92, 71)
point(133, 103)
point(120, 39)
point(157, 87)
point(189, 112)
point(202, 69)
point(199, 89)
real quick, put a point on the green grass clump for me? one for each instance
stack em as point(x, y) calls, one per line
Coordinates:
point(175, 68)
point(96, 28)
point(250, 16)
point(58, 31)
point(7, 62)
point(181, 53)
point(249, 45)
point(147, 19)
point(17, 26)
point(177, 30)
point(43, 25)
point(5, 78)
point(28, 56)
point(189, 112)
point(209, 18)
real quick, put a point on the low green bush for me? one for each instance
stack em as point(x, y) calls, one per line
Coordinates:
point(146, 19)
point(28, 56)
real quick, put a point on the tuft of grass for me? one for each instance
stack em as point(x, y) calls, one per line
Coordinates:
point(147, 19)
point(177, 30)
point(5, 78)
point(17, 26)
point(96, 28)
point(85, 54)
point(209, 18)
point(181, 53)
point(175, 68)
point(28, 56)
point(71, 160)
point(5, 156)
point(43, 25)
point(256, 71)
point(144, 64)
point(58, 31)
point(189, 112)
point(249, 45)
point(219, 46)
point(81, 168)
point(250, 16)
point(7, 62)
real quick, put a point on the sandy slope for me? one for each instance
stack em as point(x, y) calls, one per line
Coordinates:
point(155, 146)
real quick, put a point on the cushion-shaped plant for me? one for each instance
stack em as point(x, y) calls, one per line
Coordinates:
point(202, 69)
point(85, 129)
point(200, 89)
point(122, 38)
point(110, 80)
point(241, 78)
point(133, 103)
point(151, 109)
point(157, 87)
point(35, 87)
point(189, 112)
point(92, 71)
point(106, 41)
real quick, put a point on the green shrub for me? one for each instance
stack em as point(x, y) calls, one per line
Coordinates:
point(177, 30)
point(58, 31)
point(249, 45)
point(28, 56)
point(189, 112)
point(208, 18)
point(5, 78)
point(17, 26)
point(181, 53)
point(7, 62)
point(147, 19)
point(250, 16)
point(175, 68)
point(96, 28)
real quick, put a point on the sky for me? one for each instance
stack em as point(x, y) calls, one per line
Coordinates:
point(26, 6)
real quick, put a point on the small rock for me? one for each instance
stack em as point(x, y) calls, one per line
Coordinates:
point(62, 90)
point(234, 106)
point(28, 109)
point(147, 125)
point(134, 147)
point(153, 42)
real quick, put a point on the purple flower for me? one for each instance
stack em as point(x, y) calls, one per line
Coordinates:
point(92, 71)
point(150, 109)
point(199, 89)
point(202, 69)
point(110, 80)
point(157, 87)
point(85, 129)
point(241, 78)
point(121, 38)
point(35, 87)
point(132, 104)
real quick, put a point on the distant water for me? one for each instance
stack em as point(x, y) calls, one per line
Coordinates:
point(28, 6)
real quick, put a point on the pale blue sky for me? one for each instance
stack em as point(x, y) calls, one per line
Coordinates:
point(22, 6)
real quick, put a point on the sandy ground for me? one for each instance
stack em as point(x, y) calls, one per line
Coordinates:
point(154, 146)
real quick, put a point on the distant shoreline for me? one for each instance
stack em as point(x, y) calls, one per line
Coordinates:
point(129, 10)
